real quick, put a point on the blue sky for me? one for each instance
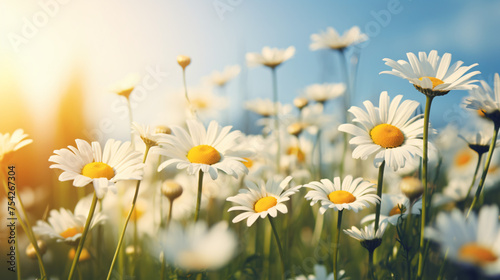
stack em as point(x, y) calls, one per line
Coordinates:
point(109, 39)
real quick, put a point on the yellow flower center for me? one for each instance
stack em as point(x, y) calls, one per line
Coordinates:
point(463, 157)
point(126, 92)
point(70, 232)
point(248, 163)
point(98, 170)
point(435, 81)
point(476, 254)
point(265, 203)
point(387, 136)
point(481, 113)
point(301, 157)
point(339, 197)
point(203, 154)
point(199, 103)
point(396, 210)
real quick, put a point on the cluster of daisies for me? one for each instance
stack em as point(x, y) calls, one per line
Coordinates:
point(179, 192)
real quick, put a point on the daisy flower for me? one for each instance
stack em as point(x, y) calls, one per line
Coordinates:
point(320, 273)
point(221, 78)
point(472, 241)
point(392, 207)
point(388, 131)
point(330, 39)
point(11, 143)
point(478, 142)
point(324, 92)
point(208, 150)
point(149, 136)
point(89, 164)
point(65, 226)
point(270, 57)
point(266, 107)
point(367, 233)
point(350, 194)
point(486, 100)
point(125, 86)
point(432, 75)
point(261, 200)
point(197, 247)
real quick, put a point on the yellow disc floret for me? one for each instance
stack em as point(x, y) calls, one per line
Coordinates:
point(265, 203)
point(435, 81)
point(339, 197)
point(396, 210)
point(98, 170)
point(387, 136)
point(203, 154)
point(248, 163)
point(463, 157)
point(476, 254)
point(70, 232)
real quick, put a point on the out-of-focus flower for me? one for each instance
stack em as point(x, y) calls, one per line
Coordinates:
point(394, 206)
point(11, 143)
point(388, 131)
point(330, 39)
point(266, 108)
point(221, 78)
point(270, 57)
point(432, 75)
point(486, 100)
point(208, 150)
point(65, 226)
point(183, 61)
point(261, 200)
point(321, 274)
point(125, 86)
point(323, 92)
point(350, 194)
point(197, 247)
point(472, 241)
point(89, 164)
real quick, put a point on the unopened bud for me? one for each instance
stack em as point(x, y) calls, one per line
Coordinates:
point(295, 129)
point(30, 250)
point(171, 189)
point(84, 255)
point(183, 61)
point(411, 187)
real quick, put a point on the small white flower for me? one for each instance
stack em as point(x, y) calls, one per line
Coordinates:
point(262, 200)
point(11, 143)
point(89, 164)
point(485, 100)
point(330, 39)
point(324, 92)
point(320, 273)
point(350, 194)
point(432, 75)
point(65, 226)
point(125, 86)
point(208, 150)
point(367, 232)
point(270, 57)
point(221, 78)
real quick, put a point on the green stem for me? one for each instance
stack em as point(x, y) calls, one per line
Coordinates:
point(280, 249)
point(84, 236)
point(379, 194)
point(193, 112)
point(336, 244)
point(26, 227)
point(122, 235)
point(198, 198)
point(131, 120)
point(480, 157)
point(170, 207)
point(320, 156)
point(424, 183)
point(443, 265)
point(370, 264)
point(18, 263)
point(276, 118)
point(347, 103)
point(486, 167)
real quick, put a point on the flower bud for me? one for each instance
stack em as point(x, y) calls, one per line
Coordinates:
point(183, 61)
point(411, 187)
point(84, 255)
point(30, 250)
point(300, 102)
point(171, 189)
point(295, 129)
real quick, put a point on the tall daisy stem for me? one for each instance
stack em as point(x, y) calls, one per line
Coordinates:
point(380, 183)
point(276, 118)
point(131, 120)
point(122, 235)
point(425, 158)
point(280, 249)
point(84, 236)
point(26, 226)
point(479, 158)
point(336, 244)
point(486, 167)
point(198, 198)
point(191, 108)
point(370, 264)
